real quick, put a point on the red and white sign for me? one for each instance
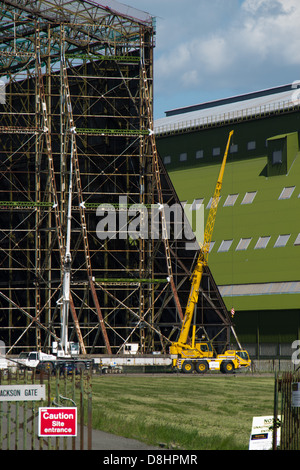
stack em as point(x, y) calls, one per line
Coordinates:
point(57, 422)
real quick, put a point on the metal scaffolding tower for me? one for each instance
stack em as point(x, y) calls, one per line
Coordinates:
point(78, 79)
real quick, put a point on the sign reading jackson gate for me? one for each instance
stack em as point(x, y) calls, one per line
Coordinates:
point(22, 392)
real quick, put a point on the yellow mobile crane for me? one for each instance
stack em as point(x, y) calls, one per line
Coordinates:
point(199, 356)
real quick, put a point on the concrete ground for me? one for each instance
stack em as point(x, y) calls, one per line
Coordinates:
point(105, 441)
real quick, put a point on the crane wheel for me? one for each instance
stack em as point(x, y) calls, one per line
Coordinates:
point(187, 367)
point(202, 367)
point(227, 367)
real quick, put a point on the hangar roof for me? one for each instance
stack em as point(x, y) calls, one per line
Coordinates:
point(237, 107)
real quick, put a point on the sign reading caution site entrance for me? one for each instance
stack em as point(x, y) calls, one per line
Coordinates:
point(22, 392)
point(57, 422)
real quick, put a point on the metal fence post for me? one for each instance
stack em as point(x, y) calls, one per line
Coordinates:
point(275, 413)
point(81, 412)
point(89, 406)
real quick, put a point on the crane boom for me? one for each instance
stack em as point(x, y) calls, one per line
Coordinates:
point(203, 256)
point(213, 208)
point(65, 299)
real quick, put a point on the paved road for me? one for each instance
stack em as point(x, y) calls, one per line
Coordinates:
point(105, 441)
point(100, 441)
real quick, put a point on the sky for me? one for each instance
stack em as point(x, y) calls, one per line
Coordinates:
point(211, 49)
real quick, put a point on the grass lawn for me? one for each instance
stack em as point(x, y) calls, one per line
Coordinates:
point(212, 412)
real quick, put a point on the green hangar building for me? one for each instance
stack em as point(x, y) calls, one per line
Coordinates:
point(255, 251)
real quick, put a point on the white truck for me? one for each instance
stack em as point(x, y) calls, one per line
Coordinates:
point(32, 359)
point(52, 362)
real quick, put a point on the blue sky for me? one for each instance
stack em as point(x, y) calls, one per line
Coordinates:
point(210, 49)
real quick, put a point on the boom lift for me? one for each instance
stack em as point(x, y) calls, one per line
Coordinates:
point(65, 353)
point(64, 302)
point(200, 355)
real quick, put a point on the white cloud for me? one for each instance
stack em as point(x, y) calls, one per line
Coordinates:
point(262, 7)
point(212, 53)
point(211, 48)
point(272, 29)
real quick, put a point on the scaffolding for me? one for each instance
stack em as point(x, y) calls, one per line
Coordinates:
point(78, 81)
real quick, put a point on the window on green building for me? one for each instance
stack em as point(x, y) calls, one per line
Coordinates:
point(196, 203)
point(281, 240)
point(251, 145)
point(199, 154)
point(262, 242)
point(225, 245)
point(212, 244)
point(230, 200)
point(277, 157)
point(297, 241)
point(243, 244)
point(210, 201)
point(249, 197)
point(287, 192)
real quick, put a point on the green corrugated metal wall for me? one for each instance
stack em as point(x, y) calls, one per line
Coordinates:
point(275, 317)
